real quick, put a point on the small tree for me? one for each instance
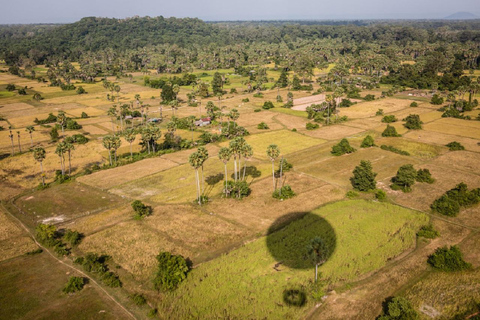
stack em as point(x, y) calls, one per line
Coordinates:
point(413, 122)
point(389, 119)
point(436, 100)
point(424, 175)
point(454, 146)
point(363, 177)
point(141, 210)
point(342, 147)
point(390, 131)
point(448, 259)
point(413, 104)
point(172, 270)
point(405, 178)
point(74, 284)
point(399, 308)
point(318, 253)
point(367, 142)
point(54, 134)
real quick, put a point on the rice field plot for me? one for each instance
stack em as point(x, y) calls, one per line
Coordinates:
point(416, 149)
point(368, 109)
point(7, 109)
point(64, 202)
point(91, 112)
point(458, 127)
point(287, 142)
point(251, 120)
point(291, 121)
point(460, 160)
point(106, 179)
point(461, 294)
point(297, 113)
point(259, 210)
point(177, 184)
point(333, 132)
point(423, 194)
point(13, 240)
point(94, 130)
point(338, 170)
point(32, 286)
point(246, 283)
point(181, 157)
point(442, 139)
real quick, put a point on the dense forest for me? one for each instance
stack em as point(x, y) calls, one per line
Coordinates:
point(436, 50)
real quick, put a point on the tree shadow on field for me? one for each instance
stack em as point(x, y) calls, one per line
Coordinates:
point(289, 236)
point(250, 171)
point(214, 179)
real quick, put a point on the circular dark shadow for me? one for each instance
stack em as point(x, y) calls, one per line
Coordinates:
point(295, 298)
point(289, 238)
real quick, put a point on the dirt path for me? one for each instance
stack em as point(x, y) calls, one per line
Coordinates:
point(90, 279)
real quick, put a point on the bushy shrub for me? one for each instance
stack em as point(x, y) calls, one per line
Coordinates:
point(390, 131)
point(428, 232)
point(239, 189)
point(138, 299)
point(73, 125)
point(369, 97)
point(389, 119)
point(84, 115)
point(367, 142)
point(284, 192)
point(446, 206)
point(74, 284)
point(257, 110)
point(380, 195)
point(262, 126)
point(92, 263)
point(413, 122)
point(72, 237)
point(111, 279)
point(351, 194)
point(413, 104)
point(81, 90)
point(345, 103)
point(379, 112)
point(258, 95)
point(141, 210)
point(268, 105)
point(342, 147)
point(393, 149)
point(311, 126)
point(399, 308)
point(454, 146)
point(171, 271)
point(405, 178)
point(448, 259)
point(424, 175)
point(245, 100)
point(363, 177)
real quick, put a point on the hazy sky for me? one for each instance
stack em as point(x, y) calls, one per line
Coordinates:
point(44, 11)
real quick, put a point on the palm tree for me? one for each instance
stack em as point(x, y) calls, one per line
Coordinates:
point(224, 154)
point(19, 144)
point(60, 151)
point(196, 162)
point(155, 134)
point(11, 139)
point(116, 143)
point(318, 253)
point(62, 120)
point(39, 155)
point(204, 154)
point(69, 147)
point(234, 115)
point(112, 112)
point(107, 144)
point(146, 137)
point(117, 90)
point(273, 153)
point(247, 153)
point(30, 130)
point(130, 136)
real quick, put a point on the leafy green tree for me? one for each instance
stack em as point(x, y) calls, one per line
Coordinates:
point(141, 210)
point(10, 87)
point(448, 259)
point(389, 119)
point(171, 271)
point(390, 131)
point(436, 100)
point(217, 84)
point(428, 232)
point(405, 178)
point(74, 284)
point(454, 146)
point(282, 81)
point(413, 122)
point(342, 147)
point(446, 206)
point(46, 234)
point(72, 237)
point(234, 115)
point(424, 175)
point(318, 252)
point(39, 155)
point(399, 308)
point(367, 142)
point(363, 177)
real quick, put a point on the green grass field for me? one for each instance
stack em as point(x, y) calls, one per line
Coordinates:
point(244, 284)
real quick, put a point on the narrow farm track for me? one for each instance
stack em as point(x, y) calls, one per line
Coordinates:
point(67, 264)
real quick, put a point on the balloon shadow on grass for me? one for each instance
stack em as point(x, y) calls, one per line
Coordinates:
point(289, 236)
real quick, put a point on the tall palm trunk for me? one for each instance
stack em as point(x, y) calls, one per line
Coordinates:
point(235, 167)
point(41, 170)
point(244, 168)
point(273, 174)
point(19, 144)
point(13, 146)
point(226, 181)
point(198, 186)
point(203, 182)
point(110, 155)
point(69, 162)
point(31, 140)
point(131, 152)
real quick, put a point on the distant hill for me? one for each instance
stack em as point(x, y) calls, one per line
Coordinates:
point(462, 16)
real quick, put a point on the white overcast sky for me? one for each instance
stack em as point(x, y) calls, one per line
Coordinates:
point(61, 11)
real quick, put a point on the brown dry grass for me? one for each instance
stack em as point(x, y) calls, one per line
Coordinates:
point(458, 127)
point(93, 129)
point(416, 149)
point(13, 241)
point(291, 122)
point(442, 139)
point(460, 160)
point(92, 112)
point(333, 132)
point(107, 179)
point(369, 108)
point(398, 126)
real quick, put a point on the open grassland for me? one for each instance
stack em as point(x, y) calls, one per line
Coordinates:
point(438, 138)
point(13, 241)
point(416, 149)
point(368, 109)
point(245, 283)
point(64, 202)
point(32, 286)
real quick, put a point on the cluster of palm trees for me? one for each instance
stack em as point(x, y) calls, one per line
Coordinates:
point(196, 160)
point(65, 147)
point(237, 149)
point(112, 143)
